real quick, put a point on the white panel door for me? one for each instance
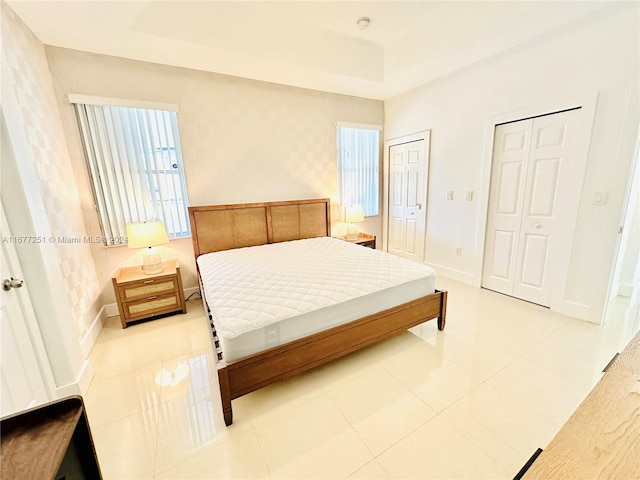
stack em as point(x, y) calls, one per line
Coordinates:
point(552, 150)
point(407, 199)
point(23, 380)
point(531, 160)
point(397, 182)
point(506, 197)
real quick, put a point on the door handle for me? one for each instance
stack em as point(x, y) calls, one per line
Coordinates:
point(537, 225)
point(419, 205)
point(9, 284)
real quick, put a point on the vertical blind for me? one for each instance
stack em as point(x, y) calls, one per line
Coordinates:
point(135, 163)
point(359, 167)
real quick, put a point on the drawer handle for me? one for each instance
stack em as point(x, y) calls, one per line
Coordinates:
point(148, 281)
point(152, 298)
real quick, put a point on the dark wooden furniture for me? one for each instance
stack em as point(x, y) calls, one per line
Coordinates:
point(52, 441)
point(222, 227)
point(602, 437)
point(141, 296)
point(366, 240)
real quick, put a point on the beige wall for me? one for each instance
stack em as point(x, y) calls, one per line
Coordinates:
point(43, 212)
point(27, 80)
point(242, 140)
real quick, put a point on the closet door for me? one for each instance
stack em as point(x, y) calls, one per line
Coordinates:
point(506, 198)
point(550, 165)
point(532, 161)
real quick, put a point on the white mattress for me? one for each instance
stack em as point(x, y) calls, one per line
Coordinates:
point(261, 297)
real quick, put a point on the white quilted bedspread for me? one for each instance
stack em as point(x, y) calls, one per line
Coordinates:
point(250, 288)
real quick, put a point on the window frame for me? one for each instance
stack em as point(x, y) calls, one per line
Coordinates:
point(378, 167)
point(143, 171)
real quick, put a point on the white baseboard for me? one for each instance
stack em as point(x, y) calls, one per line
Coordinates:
point(457, 275)
point(190, 291)
point(85, 377)
point(572, 309)
point(111, 310)
point(89, 338)
point(79, 387)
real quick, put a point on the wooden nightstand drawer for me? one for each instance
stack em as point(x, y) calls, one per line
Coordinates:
point(146, 288)
point(141, 296)
point(152, 305)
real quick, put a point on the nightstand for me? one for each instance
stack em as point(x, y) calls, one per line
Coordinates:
point(141, 296)
point(363, 239)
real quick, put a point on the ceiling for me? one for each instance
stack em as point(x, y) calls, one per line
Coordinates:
point(310, 44)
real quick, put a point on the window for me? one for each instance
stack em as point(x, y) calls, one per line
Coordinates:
point(359, 167)
point(136, 169)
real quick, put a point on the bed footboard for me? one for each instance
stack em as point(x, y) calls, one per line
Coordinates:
point(442, 317)
point(225, 392)
point(256, 371)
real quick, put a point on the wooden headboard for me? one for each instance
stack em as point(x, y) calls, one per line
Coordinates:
point(223, 227)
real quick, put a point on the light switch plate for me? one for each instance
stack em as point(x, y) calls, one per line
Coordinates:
point(600, 198)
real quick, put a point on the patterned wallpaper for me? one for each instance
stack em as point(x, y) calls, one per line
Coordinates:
point(30, 79)
point(243, 140)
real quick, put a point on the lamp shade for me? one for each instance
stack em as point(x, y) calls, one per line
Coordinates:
point(148, 234)
point(351, 213)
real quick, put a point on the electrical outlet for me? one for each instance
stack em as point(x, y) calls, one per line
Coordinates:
point(458, 250)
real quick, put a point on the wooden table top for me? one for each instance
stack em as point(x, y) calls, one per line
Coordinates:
point(602, 437)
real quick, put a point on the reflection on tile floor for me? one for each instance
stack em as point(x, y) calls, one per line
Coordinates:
point(474, 401)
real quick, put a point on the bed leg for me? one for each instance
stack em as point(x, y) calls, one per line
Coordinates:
point(442, 319)
point(225, 394)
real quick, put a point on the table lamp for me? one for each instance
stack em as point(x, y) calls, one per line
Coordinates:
point(351, 214)
point(147, 235)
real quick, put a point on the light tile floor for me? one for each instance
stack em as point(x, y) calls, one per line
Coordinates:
point(474, 401)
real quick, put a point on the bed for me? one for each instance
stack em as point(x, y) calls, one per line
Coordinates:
point(283, 296)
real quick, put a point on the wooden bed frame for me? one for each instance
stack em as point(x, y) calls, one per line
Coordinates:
point(223, 227)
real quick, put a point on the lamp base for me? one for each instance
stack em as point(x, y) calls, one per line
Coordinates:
point(352, 232)
point(151, 261)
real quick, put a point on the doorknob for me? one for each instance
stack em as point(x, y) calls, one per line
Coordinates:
point(9, 284)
